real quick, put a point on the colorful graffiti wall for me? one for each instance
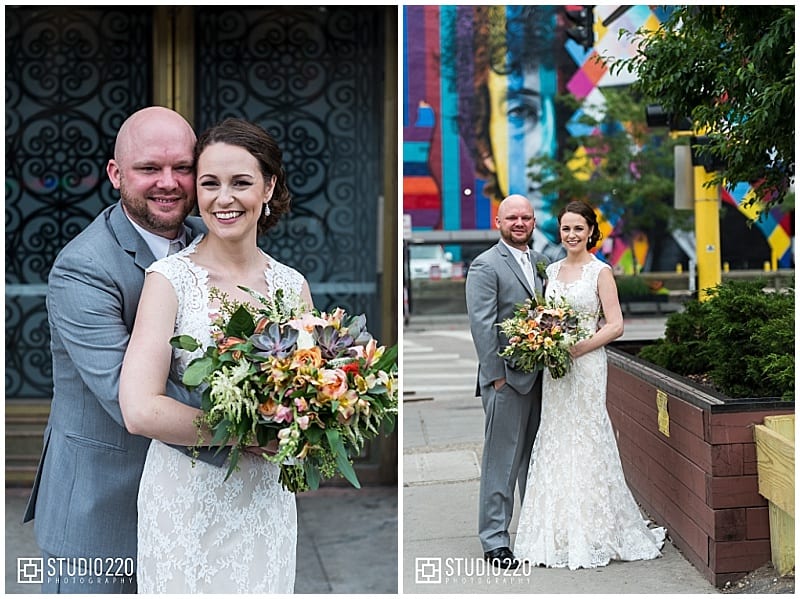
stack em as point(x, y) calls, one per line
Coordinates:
point(479, 89)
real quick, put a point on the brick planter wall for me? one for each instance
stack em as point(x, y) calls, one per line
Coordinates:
point(701, 481)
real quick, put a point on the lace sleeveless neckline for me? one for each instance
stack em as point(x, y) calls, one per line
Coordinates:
point(195, 313)
point(581, 293)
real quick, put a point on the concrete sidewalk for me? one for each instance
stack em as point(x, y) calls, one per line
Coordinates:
point(442, 444)
point(341, 530)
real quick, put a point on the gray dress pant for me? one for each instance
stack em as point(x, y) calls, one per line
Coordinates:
point(510, 426)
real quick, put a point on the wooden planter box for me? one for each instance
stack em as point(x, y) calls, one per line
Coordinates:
point(689, 457)
point(775, 453)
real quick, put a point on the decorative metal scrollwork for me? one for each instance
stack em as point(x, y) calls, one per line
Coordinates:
point(313, 77)
point(73, 74)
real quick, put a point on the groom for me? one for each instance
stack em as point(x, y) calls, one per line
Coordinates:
point(84, 495)
point(500, 278)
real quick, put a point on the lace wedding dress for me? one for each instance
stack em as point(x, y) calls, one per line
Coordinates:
point(199, 533)
point(578, 511)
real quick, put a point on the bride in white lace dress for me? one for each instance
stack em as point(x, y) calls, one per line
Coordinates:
point(578, 511)
point(197, 532)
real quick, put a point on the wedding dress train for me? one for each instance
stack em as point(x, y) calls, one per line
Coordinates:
point(578, 511)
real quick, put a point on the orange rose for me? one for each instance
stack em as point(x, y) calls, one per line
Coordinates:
point(268, 408)
point(307, 358)
point(334, 383)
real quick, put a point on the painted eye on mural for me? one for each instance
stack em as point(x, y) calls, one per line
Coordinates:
point(524, 111)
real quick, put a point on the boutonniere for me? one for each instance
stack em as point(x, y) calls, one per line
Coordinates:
point(541, 270)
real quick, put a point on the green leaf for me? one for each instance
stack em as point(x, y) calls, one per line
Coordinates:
point(312, 476)
point(185, 342)
point(342, 461)
point(234, 462)
point(205, 403)
point(388, 424)
point(244, 427)
point(241, 324)
point(388, 360)
point(221, 433)
point(227, 357)
point(197, 371)
point(314, 435)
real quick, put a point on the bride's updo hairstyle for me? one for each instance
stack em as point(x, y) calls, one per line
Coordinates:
point(589, 215)
point(263, 147)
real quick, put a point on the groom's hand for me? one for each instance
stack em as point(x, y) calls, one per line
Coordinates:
point(499, 384)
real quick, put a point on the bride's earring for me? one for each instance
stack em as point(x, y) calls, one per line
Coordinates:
point(266, 209)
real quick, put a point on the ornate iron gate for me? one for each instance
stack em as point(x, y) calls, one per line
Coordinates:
point(72, 76)
point(311, 75)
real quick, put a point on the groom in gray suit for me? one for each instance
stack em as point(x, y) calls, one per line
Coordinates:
point(499, 279)
point(84, 494)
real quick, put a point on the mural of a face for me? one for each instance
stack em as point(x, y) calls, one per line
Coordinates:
point(521, 127)
point(519, 88)
point(480, 88)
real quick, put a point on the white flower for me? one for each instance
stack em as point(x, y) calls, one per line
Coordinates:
point(230, 398)
point(304, 340)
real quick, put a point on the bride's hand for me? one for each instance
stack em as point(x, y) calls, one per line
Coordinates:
point(270, 448)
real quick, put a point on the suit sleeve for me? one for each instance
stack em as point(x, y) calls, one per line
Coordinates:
point(481, 296)
point(85, 304)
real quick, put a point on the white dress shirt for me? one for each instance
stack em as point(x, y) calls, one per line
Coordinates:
point(524, 260)
point(157, 244)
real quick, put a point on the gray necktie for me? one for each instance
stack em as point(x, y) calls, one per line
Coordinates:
point(175, 246)
point(527, 269)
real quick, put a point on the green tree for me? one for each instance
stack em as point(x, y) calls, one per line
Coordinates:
point(619, 165)
point(731, 70)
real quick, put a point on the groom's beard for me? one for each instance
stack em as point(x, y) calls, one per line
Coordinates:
point(509, 238)
point(147, 215)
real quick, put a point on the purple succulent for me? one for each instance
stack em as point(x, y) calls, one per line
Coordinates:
point(273, 341)
point(357, 329)
point(333, 343)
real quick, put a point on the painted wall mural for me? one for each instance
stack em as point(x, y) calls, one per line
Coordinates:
point(478, 103)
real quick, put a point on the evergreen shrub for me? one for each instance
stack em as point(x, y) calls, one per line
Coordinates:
point(741, 337)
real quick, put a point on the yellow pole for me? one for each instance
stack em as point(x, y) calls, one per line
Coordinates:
point(706, 231)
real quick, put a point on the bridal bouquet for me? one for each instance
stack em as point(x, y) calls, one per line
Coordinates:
point(317, 383)
point(540, 335)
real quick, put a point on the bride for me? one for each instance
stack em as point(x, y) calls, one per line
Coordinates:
point(578, 511)
point(199, 533)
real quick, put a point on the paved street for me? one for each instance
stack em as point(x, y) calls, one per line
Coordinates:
point(337, 528)
point(442, 443)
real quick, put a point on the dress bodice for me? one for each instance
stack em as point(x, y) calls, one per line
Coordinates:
point(190, 281)
point(581, 293)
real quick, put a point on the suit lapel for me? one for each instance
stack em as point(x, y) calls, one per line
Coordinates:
point(127, 237)
point(512, 263)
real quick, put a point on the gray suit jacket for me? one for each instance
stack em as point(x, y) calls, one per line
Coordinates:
point(84, 494)
point(495, 286)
